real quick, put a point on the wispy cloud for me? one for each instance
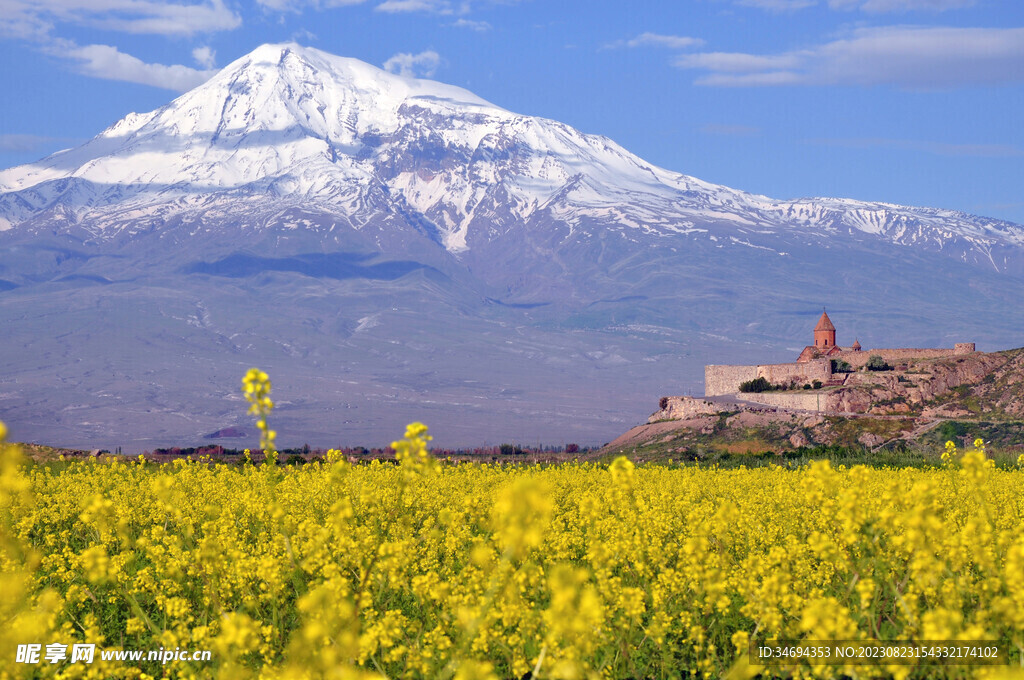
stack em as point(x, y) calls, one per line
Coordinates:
point(936, 148)
point(432, 6)
point(676, 42)
point(36, 19)
point(882, 6)
point(983, 207)
point(14, 143)
point(459, 7)
point(205, 57)
point(423, 64)
point(870, 6)
point(299, 5)
point(738, 62)
point(40, 22)
point(304, 36)
point(730, 130)
point(479, 26)
point(777, 5)
point(106, 61)
point(909, 57)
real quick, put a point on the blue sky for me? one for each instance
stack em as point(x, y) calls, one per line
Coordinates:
point(918, 102)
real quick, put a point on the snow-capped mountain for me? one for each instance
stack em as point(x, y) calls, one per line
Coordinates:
point(344, 199)
point(290, 125)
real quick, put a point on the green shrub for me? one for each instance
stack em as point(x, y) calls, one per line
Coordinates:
point(951, 431)
point(755, 385)
point(877, 363)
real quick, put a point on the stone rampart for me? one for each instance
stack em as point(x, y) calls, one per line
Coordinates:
point(805, 401)
point(720, 380)
point(684, 408)
point(799, 374)
point(901, 356)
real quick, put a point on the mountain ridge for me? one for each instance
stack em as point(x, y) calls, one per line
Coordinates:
point(431, 250)
point(293, 122)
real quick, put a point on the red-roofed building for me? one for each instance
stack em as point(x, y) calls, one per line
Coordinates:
point(824, 332)
point(825, 342)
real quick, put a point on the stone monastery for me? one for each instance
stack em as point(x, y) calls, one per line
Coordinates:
point(814, 366)
point(825, 342)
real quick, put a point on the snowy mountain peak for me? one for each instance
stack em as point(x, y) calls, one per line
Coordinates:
point(287, 125)
point(273, 108)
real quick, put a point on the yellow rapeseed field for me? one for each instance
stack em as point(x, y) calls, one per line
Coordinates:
point(428, 570)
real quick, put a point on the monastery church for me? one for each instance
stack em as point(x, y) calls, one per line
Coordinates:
point(825, 342)
point(815, 364)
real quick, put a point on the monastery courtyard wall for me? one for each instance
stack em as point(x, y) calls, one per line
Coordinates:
point(814, 364)
point(804, 401)
point(720, 380)
point(899, 356)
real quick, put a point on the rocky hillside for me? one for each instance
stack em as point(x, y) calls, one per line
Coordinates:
point(925, 401)
point(979, 385)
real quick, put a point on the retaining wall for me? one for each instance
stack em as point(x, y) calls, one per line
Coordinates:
point(684, 408)
point(807, 401)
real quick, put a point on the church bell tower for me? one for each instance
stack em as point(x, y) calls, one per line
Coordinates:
point(824, 332)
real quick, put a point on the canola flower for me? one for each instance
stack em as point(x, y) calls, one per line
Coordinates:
point(424, 570)
point(256, 388)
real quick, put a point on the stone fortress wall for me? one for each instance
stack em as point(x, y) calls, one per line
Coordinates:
point(685, 408)
point(899, 356)
point(813, 400)
point(801, 373)
point(725, 380)
point(721, 380)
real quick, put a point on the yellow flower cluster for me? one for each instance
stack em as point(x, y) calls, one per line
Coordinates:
point(423, 570)
point(256, 388)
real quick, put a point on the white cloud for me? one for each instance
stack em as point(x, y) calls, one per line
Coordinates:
point(422, 65)
point(303, 36)
point(737, 62)
point(777, 5)
point(36, 19)
point(433, 6)
point(880, 6)
point(443, 7)
point(16, 143)
point(872, 6)
point(909, 57)
point(299, 5)
point(730, 130)
point(479, 26)
point(675, 42)
point(205, 57)
point(106, 61)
